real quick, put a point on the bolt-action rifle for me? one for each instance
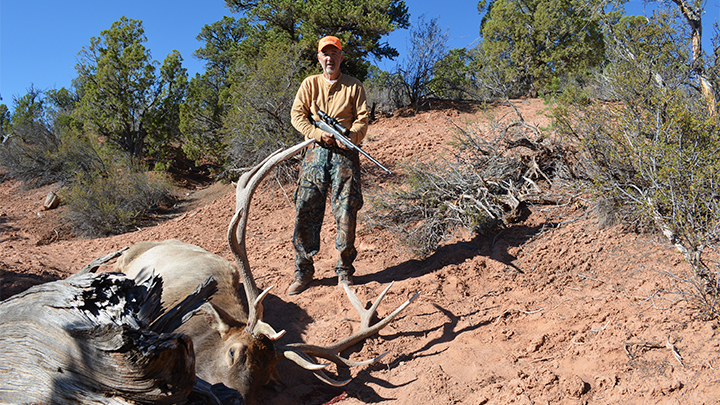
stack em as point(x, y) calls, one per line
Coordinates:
point(341, 134)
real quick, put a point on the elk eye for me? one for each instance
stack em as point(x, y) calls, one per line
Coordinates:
point(236, 354)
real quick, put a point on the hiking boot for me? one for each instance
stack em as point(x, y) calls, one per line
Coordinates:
point(300, 284)
point(344, 279)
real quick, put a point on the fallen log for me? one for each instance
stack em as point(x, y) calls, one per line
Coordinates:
point(97, 339)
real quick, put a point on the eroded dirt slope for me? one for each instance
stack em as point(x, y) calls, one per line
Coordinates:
point(552, 310)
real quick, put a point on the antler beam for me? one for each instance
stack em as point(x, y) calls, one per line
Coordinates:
point(246, 186)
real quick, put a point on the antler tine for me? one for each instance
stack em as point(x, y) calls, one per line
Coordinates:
point(260, 327)
point(307, 363)
point(330, 381)
point(236, 233)
point(293, 350)
point(366, 316)
point(300, 352)
point(301, 359)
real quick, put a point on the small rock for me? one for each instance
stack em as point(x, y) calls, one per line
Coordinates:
point(51, 201)
point(573, 386)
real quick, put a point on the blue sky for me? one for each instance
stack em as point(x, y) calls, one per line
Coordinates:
point(40, 39)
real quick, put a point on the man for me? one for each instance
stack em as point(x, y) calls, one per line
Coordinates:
point(328, 165)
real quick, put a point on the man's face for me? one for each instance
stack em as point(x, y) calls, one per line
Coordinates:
point(330, 58)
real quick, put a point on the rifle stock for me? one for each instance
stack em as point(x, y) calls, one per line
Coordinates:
point(330, 125)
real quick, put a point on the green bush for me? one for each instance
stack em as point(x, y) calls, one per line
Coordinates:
point(104, 193)
point(43, 143)
point(37, 156)
point(201, 115)
point(654, 146)
point(385, 92)
point(113, 203)
point(454, 78)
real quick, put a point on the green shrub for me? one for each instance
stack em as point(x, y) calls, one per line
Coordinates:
point(113, 203)
point(385, 92)
point(450, 78)
point(655, 147)
point(37, 156)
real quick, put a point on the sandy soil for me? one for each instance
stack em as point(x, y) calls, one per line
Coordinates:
point(552, 310)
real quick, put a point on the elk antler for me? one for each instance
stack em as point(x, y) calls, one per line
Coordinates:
point(246, 186)
point(300, 352)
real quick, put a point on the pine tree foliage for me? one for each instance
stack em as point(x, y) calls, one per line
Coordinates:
point(124, 99)
point(538, 40)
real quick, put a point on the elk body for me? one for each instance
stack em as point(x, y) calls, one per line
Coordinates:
point(233, 346)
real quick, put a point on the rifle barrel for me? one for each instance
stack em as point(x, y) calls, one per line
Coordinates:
point(331, 125)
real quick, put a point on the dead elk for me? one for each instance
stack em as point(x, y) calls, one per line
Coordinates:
point(233, 345)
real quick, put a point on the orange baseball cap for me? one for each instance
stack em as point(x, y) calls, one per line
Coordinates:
point(329, 40)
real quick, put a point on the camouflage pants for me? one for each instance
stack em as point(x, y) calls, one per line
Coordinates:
point(339, 171)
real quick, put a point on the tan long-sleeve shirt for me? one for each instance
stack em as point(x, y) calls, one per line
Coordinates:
point(343, 100)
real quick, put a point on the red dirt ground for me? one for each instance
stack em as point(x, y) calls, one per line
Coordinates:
point(551, 310)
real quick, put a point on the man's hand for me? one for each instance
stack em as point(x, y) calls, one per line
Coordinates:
point(329, 139)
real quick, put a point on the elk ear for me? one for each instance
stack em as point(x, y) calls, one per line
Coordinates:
point(214, 319)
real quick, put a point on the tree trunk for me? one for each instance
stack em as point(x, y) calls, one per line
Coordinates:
point(96, 339)
point(694, 19)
